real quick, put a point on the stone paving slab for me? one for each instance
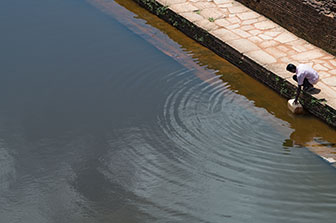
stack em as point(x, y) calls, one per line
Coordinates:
point(263, 42)
point(260, 39)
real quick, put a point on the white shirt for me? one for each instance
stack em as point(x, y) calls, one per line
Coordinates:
point(305, 71)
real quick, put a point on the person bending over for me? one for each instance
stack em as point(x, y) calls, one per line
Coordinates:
point(305, 76)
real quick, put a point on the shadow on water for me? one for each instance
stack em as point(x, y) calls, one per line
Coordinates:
point(307, 129)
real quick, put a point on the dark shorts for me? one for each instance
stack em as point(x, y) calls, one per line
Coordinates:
point(306, 83)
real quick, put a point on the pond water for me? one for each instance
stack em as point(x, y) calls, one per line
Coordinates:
point(108, 114)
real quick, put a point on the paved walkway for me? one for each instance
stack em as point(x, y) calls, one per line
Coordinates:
point(263, 41)
point(259, 39)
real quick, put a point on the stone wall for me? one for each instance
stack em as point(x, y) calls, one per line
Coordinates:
point(325, 7)
point(312, 20)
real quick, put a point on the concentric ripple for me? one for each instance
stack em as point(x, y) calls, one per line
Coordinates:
point(213, 154)
point(209, 114)
point(123, 119)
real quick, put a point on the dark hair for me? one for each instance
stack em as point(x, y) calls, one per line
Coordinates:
point(291, 68)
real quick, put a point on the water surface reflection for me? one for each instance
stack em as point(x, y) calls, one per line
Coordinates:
point(93, 131)
point(306, 129)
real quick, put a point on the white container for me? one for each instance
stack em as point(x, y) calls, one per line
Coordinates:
point(295, 108)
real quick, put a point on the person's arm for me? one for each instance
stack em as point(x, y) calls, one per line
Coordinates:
point(297, 93)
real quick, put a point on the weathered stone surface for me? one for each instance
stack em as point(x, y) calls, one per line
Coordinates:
point(332, 61)
point(243, 45)
point(283, 48)
point(222, 1)
point(248, 15)
point(205, 5)
point(234, 26)
point(275, 52)
point(279, 69)
point(237, 9)
point(265, 37)
point(250, 21)
point(192, 16)
point(261, 57)
point(172, 2)
point(226, 5)
point(319, 67)
point(268, 43)
point(255, 32)
point(256, 39)
point(326, 7)
point(286, 37)
point(265, 25)
point(206, 24)
point(222, 22)
point(323, 74)
point(214, 13)
point(313, 20)
point(331, 81)
point(326, 92)
point(271, 33)
point(184, 7)
point(308, 55)
point(299, 48)
point(241, 33)
point(247, 27)
point(233, 20)
point(225, 34)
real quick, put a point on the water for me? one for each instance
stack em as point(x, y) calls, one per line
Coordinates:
point(109, 115)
